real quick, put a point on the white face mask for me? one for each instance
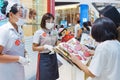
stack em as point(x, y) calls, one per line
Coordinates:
point(20, 22)
point(49, 25)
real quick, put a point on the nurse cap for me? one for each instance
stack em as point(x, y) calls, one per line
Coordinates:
point(10, 4)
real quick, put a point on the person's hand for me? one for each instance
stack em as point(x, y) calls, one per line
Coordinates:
point(49, 47)
point(23, 60)
point(28, 57)
point(52, 52)
point(92, 52)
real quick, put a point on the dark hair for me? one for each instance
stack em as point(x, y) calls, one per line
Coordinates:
point(3, 9)
point(104, 29)
point(112, 13)
point(13, 9)
point(44, 18)
point(89, 23)
point(62, 26)
point(85, 24)
point(60, 34)
point(78, 21)
point(56, 26)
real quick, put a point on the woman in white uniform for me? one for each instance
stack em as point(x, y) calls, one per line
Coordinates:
point(12, 48)
point(43, 41)
point(105, 63)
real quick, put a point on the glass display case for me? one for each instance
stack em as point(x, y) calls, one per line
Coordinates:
point(35, 13)
point(71, 15)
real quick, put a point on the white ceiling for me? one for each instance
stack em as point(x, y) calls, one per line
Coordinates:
point(100, 3)
point(67, 0)
point(85, 1)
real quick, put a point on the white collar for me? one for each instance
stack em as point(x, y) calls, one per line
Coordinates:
point(12, 28)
